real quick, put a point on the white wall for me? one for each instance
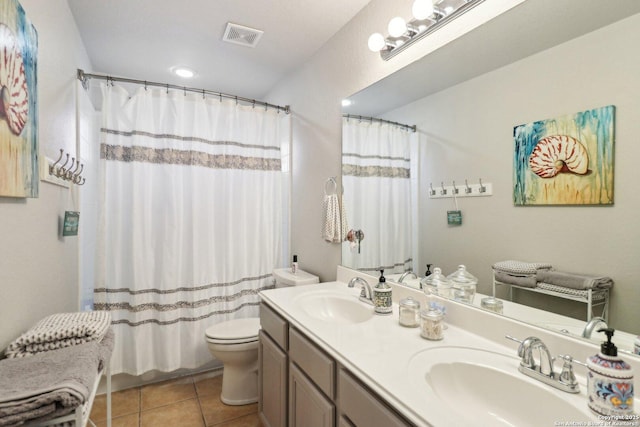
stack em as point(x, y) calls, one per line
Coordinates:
point(38, 269)
point(468, 132)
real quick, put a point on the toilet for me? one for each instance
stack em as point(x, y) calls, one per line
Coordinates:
point(235, 344)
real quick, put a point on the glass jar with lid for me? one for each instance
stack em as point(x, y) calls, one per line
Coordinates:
point(437, 284)
point(431, 324)
point(463, 285)
point(492, 304)
point(409, 310)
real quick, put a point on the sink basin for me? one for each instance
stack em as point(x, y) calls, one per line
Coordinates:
point(334, 307)
point(485, 388)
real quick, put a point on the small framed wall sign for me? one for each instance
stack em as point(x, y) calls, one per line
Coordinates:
point(71, 221)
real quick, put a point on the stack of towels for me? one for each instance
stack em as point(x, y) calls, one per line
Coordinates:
point(534, 274)
point(519, 273)
point(50, 369)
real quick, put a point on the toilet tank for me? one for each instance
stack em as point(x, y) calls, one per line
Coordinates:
point(284, 277)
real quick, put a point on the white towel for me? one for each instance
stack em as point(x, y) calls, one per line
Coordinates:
point(344, 227)
point(332, 228)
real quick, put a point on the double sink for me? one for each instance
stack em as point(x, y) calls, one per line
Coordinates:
point(474, 385)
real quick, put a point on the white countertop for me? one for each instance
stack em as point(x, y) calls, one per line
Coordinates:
point(379, 351)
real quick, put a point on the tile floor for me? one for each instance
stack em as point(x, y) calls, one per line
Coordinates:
point(192, 401)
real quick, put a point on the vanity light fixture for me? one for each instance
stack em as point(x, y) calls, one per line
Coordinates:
point(427, 17)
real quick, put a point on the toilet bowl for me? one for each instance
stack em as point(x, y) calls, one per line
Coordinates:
point(235, 344)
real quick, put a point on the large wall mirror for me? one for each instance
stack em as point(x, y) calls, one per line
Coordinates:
point(540, 60)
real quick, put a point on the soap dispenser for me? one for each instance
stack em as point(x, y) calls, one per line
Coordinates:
point(609, 381)
point(382, 296)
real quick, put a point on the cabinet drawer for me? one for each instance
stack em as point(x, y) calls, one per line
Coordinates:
point(361, 407)
point(313, 361)
point(274, 325)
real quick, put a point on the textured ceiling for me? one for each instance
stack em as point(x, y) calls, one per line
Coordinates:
point(144, 39)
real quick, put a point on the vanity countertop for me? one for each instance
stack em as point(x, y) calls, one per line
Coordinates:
point(379, 351)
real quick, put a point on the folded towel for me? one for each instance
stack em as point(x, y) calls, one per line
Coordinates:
point(520, 268)
point(573, 280)
point(528, 281)
point(61, 330)
point(50, 384)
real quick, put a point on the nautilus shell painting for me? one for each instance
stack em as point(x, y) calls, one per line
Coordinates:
point(18, 108)
point(565, 161)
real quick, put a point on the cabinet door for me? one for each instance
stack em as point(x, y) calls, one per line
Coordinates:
point(308, 407)
point(361, 407)
point(272, 377)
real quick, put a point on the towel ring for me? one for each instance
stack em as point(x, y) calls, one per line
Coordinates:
point(331, 181)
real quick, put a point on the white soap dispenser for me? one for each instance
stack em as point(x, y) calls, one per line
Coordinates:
point(382, 296)
point(609, 381)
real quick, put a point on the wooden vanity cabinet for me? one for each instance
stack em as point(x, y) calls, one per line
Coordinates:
point(302, 386)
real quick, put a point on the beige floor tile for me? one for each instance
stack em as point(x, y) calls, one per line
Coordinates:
point(131, 420)
point(215, 412)
point(182, 414)
point(251, 420)
point(208, 386)
point(123, 402)
point(164, 393)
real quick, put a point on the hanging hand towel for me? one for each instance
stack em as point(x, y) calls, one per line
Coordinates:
point(344, 227)
point(332, 227)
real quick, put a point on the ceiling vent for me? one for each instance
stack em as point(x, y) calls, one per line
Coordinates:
point(241, 35)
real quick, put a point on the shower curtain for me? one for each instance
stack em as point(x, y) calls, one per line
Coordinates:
point(193, 210)
point(376, 175)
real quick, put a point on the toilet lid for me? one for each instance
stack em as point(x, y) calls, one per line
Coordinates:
point(236, 329)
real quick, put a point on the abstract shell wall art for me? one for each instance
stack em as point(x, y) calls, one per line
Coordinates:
point(565, 161)
point(18, 103)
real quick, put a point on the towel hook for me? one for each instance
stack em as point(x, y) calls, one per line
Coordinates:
point(61, 170)
point(455, 189)
point(52, 167)
point(467, 189)
point(432, 192)
point(482, 187)
point(67, 174)
point(443, 192)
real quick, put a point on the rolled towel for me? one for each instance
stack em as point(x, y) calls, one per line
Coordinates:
point(520, 268)
point(524, 281)
point(573, 280)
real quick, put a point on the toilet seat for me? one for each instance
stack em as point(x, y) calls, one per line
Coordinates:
point(236, 331)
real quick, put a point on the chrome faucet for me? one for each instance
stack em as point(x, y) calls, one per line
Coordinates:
point(366, 295)
point(405, 274)
point(593, 325)
point(565, 380)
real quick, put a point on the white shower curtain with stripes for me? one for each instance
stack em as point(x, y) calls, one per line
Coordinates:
point(376, 175)
point(193, 212)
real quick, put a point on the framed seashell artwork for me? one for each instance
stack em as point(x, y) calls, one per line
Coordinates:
point(567, 160)
point(18, 103)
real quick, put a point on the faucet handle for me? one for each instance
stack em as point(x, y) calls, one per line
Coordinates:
point(567, 376)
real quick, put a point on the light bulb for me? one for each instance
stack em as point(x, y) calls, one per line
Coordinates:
point(397, 27)
point(422, 9)
point(376, 42)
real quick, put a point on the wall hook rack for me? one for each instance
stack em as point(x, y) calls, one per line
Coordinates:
point(62, 175)
point(470, 190)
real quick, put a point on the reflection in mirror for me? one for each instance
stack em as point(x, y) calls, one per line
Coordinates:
point(529, 64)
point(376, 177)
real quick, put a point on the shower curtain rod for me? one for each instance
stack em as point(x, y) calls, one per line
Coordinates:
point(85, 77)
point(374, 119)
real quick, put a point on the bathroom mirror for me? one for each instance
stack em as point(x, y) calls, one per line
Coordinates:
point(540, 60)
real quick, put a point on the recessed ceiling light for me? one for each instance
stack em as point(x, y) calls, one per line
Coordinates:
point(184, 72)
point(346, 102)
